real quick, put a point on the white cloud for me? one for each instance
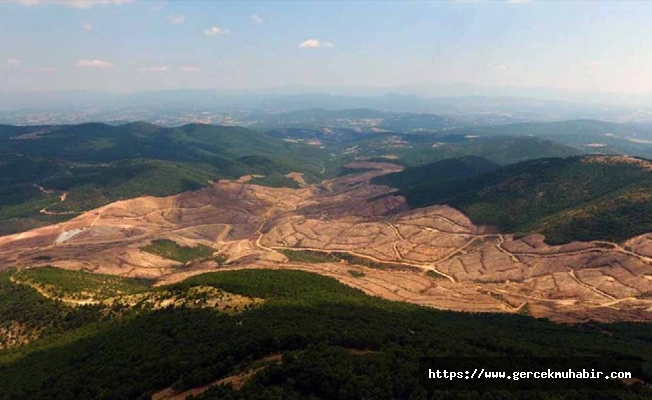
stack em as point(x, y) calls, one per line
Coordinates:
point(591, 64)
point(88, 26)
point(177, 19)
point(13, 61)
point(314, 44)
point(215, 31)
point(257, 18)
point(519, 1)
point(70, 3)
point(190, 70)
point(155, 69)
point(94, 64)
point(501, 67)
point(310, 43)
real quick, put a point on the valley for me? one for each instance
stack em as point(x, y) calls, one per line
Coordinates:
point(432, 256)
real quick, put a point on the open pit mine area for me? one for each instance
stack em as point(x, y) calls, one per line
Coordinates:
point(433, 256)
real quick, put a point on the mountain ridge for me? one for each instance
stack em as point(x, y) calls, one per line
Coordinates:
point(566, 199)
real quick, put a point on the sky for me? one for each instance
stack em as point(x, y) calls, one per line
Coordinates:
point(132, 45)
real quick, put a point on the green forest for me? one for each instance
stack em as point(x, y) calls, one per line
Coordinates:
point(337, 343)
point(185, 254)
point(566, 199)
point(95, 164)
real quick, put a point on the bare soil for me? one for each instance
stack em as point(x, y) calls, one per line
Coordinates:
point(463, 267)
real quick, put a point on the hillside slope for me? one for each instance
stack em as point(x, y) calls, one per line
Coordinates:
point(446, 175)
point(591, 136)
point(577, 198)
point(49, 173)
point(328, 341)
point(422, 148)
point(360, 234)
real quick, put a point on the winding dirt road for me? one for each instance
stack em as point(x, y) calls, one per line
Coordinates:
point(442, 259)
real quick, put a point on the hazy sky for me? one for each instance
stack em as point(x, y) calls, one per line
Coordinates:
point(127, 45)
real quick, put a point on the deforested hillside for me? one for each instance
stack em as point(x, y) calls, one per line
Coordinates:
point(50, 173)
point(577, 198)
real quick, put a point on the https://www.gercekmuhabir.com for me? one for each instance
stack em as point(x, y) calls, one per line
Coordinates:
point(590, 373)
point(516, 375)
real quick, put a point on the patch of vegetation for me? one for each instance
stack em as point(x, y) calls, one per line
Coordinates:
point(316, 257)
point(566, 199)
point(366, 262)
point(356, 274)
point(97, 164)
point(61, 283)
point(435, 275)
point(219, 258)
point(25, 315)
point(314, 321)
point(48, 307)
point(309, 256)
point(184, 254)
point(276, 179)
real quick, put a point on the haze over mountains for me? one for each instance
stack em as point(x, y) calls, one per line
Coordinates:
point(176, 107)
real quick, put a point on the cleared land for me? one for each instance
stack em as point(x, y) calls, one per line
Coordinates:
point(442, 260)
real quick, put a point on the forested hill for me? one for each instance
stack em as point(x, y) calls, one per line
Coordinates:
point(585, 134)
point(417, 182)
point(98, 163)
point(95, 142)
point(308, 337)
point(576, 198)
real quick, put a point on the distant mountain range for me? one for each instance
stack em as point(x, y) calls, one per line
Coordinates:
point(169, 106)
point(589, 135)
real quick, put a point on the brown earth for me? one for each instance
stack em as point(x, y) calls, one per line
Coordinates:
point(236, 380)
point(298, 178)
point(195, 297)
point(477, 268)
point(645, 164)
